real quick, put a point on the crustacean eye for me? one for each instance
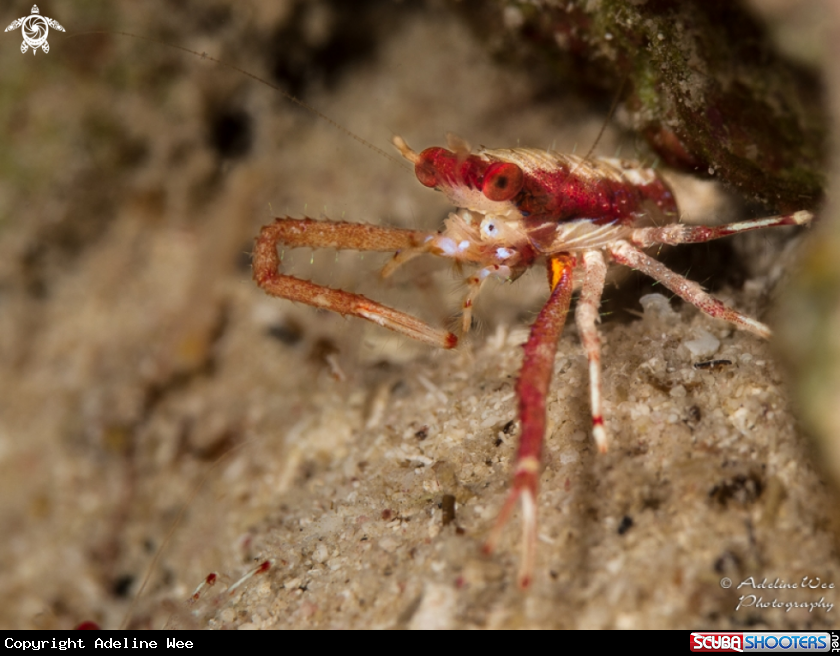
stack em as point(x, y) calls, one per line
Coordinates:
point(502, 181)
point(489, 228)
point(433, 166)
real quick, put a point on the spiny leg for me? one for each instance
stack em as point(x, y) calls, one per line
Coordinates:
point(678, 233)
point(688, 290)
point(586, 316)
point(532, 389)
point(296, 233)
point(340, 235)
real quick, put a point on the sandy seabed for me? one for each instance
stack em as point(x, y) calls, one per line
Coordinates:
point(136, 351)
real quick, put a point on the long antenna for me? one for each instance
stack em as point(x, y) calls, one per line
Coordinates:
point(150, 570)
point(614, 106)
point(293, 99)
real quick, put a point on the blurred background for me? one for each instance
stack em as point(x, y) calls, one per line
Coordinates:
point(142, 369)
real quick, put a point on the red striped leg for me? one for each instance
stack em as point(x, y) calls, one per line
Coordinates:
point(586, 316)
point(401, 258)
point(688, 290)
point(296, 233)
point(475, 282)
point(532, 389)
point(678, 233)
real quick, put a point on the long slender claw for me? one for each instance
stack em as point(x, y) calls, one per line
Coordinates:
point(295, 233)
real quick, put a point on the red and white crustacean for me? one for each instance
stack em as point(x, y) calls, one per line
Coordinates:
point(518, 207)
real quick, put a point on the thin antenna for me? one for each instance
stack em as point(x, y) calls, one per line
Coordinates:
point(609, 115)
point(297, 101)
point(173, 527)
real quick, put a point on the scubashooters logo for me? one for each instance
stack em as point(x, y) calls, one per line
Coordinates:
point(764, 641)
point(35, 29)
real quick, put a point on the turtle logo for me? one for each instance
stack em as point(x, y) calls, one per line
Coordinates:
point(35, 29)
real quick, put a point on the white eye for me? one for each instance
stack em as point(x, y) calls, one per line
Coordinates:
point(489, 228)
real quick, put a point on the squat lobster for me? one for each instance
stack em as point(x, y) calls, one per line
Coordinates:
point(518, 206)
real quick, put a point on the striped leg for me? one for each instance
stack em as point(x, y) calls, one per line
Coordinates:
point(688, 290)
point(586, 316)
point(474, 282)
point(339, 235)
point(678, 233)
point(532, 389)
